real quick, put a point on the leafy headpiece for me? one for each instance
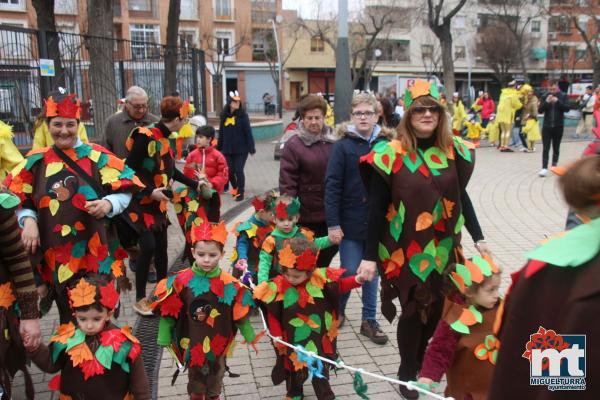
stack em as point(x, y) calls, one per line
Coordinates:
point(66, 108)
point(474, 270)
point(184, 110)
point(306, 261)
point(206, 231)
point(286, 210)
point(418, 89)
point(86, 293)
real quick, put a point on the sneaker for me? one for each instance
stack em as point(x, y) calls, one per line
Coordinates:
point(543, 172)
point(524, 150)
point(370, 328)
point(152, 276)
point(408, 394)
point(142, 307)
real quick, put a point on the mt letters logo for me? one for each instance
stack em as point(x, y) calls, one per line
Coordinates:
point(556, 361)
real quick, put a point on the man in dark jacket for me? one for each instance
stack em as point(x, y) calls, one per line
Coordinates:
point(346, 204)
point(554, 107)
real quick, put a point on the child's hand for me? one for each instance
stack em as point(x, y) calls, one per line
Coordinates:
point(359, 279)
point(241, 264)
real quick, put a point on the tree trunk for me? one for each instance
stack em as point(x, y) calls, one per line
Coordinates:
point(596, 69)
point(170, 86)
point(102, 69)
point(44, 10)
point(445, 38)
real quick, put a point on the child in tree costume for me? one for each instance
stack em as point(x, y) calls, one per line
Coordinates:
point(58, 198)
point(18, 296)
point(463, 345)
point(556, 292)
point(97, 360)
point(251, 234)
point(201, 308)
point(287, 213)
point(302, 308)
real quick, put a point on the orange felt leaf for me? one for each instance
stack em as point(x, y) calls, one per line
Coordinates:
point(64, 332)
point(239, 311)
point(269, 244)
point(79, 226)
point(163, 206)
point(117, 268)
point(80, 353)
point(82, 294)
point(467, 317)
point(44, 202)
point(262, 292)
point(448, 206)
point(333, 330)
point(115, 185)
point(420, 88)
point(318, 280)
point(424, 221)
point(391, 213)
point(279, 297)
point(219, 232)
point(158, 181)
point(133, 216)
point(227, 278)
point(310, 235)
point(94, 244)
point(64, 397)
point(7, 297)
point(165, 146)
point(145, 131)
point(286, 256)
point(128, 396)
point(116, 163)
point(51, 107)
point(298, 365)
point(476, 275)
point(398, 257)
point(480, 349)
point(126, 330)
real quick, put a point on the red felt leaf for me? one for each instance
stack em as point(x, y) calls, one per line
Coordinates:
point(217, 286)
point(397, 164)
point(262, 232)
point(424, 170)
point(120, 254)
point(91, 367)
point(306, 261)
point(109, 297)
point(413, 249)
point(385, 159)
point(218, 344)
point(334, 273)
point(303, 296)
point(327, 345)
point(135, 351)
point(440, 226)
point(184, 277)
point(90, 263)
point(51, 156)
point(281, 210)
point(197, 356)
point(57, 228)
point(148, 220)
point(112, 337)
point(258, 204)
point(533, 266)
point(54, 383)
point(171, 306)
point(63, 253)
point(79, 201)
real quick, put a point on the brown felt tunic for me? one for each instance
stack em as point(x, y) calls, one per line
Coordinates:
point(469, 375)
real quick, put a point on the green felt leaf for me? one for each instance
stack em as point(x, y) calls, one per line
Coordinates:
point(483, 265)
point(310, 346)
point(443, 253)
point(383, 252)
point(120, 357)
point(438, 211)
point(57, 348)
point(435, 158)
point(462, 148)
point(229, 293)
point(243, 226)
point(328, 320)
point(79, 248)
point(422, 265)
point(301, 333)
point(273, 287)
point(494, 356)
point(104, 355)
point(314, 291)
point(294, 207)
point(384, 159)
point(8, 200)
point(576, 248)
point(464, 273)
point(460, 327)
point(127, 173)
point(380, 146)
point(77, 338)
point(83, 150)
point(104, 266)
point(317, 320)
point(459, 224)
point(396, 226)
point(290, 297)
point(170, 280)
point(480, 352)
point(247, 299)
point(88, 192)
point(433, 91)
point(103, 160)
point(296, 322)
point(430, 248)
point(32, 159)
point(125, 366)
point(199, 285)
point(412, 166)
point(476, 313)
point(148, 164)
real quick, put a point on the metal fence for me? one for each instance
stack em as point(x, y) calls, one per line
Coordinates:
point(22, 88)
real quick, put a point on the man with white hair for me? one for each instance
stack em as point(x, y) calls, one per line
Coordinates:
point(119, 125)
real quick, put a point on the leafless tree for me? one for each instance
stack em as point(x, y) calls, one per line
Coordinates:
point(46, 22)
point(430, 55)
point(170, 85)
point(517, 16)
point(100, 45)
point(439, 19)
point(495, 46)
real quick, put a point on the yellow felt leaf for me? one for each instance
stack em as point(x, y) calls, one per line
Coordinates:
point(53, 206)
point(252, 231)
point(178, 208)
point(151, 148)
point(424, 221)
point(94, 155)
point(109, 174)
point(193, 206)
point(64, 273)
point(184, 343)
point(7, 297)
point(27, 188)
point(15, 171)
point(206, 344)
point(53, 167)
point(65, 230)
point(214, 313)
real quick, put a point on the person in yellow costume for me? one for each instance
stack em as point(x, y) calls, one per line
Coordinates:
point(508, 104)
point(42, 137)
point(492, 130)
point(459, 114)
point(10, 156)
point(474, 130)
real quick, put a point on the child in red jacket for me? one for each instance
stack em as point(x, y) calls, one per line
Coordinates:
point(206, 162)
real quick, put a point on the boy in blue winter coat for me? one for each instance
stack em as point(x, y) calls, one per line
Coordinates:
point(346, 205)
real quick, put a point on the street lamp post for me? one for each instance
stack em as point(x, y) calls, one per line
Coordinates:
point(280, 70)
point(343, 77)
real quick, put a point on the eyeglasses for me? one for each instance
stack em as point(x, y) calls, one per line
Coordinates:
point(366, 114)
point(424, 109)
point(138, 106)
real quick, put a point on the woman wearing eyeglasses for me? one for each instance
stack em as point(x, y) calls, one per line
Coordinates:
point(416, 184)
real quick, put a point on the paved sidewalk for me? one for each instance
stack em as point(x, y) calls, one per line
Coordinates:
point(515, 207)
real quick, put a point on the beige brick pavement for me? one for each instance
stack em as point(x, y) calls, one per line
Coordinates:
point(515, 207)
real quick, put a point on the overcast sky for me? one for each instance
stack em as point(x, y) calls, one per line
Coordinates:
point(314, 8)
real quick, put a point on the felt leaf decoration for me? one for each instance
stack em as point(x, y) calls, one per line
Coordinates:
point(219, 232)
point(435, 158)
point(448, 207)
point(264, 292)
point(112, 337)
point(281, 211)
point(80, 353)
point(296, 322)
point(314, 321)
point(54, 383)
point(64, 273)
point(422, 265)
point(424, 221)
point(53, 168)
point(328, 318)
point(229, 292)
point(286, 257)
point(398, 257)
point(7, 297)
point(307, 260)
point(383, 252)
point(104, 355)
point(9, 200)
point(82, 294)
point(397, 222)
point(91, 368)
point(109, 297)
point(301, 333)
point(290, 297)
point(206, 344)
point(64, 332)
point(171, 306)
point(53, 206)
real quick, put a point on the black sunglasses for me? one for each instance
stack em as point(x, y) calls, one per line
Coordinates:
point(424, 109)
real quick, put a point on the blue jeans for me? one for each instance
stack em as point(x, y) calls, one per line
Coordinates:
point(351, 253)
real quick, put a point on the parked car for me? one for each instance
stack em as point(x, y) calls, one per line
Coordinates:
point(289, 131)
